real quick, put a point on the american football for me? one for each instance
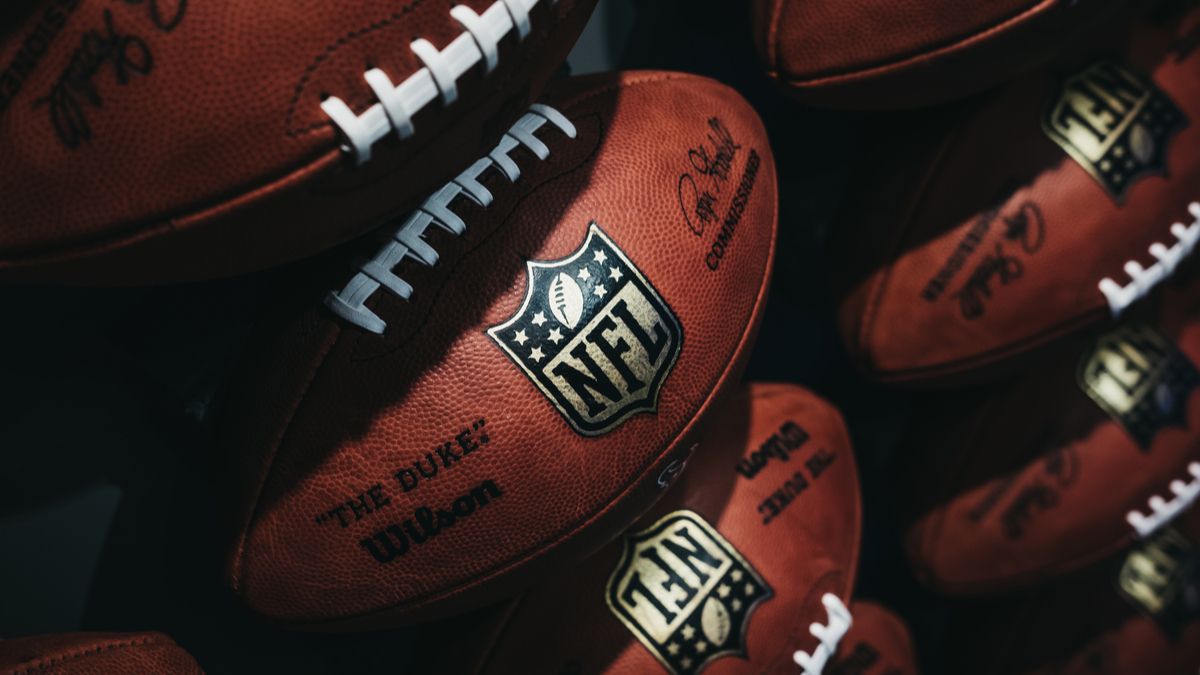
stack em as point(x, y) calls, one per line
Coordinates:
point(872, 54)
point(95, 654)
point(1053, 203)
point(167, 140)
point(582, 337)
point(745, 566)
point(1104, 454)
point(1138, 612)
point(437, 435)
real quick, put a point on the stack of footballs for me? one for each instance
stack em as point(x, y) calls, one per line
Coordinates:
point(513, 403)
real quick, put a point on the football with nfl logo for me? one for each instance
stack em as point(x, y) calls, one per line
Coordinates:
point(745, 566)
point(1092, 449)
point(1137, 612)
point(518, 371)
point(997, 226)
point(880, 54)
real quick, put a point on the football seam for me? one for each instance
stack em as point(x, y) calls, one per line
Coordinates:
point(324, 55)
point(867, 71)
point(237, 568)
point(42, 662)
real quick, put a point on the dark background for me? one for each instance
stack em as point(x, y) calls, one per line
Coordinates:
point(108, 515)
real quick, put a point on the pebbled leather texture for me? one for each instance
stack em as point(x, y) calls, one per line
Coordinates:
point(196, 147)
point(95, 654)
point(1039, 232)
point(809, 548)
point(878, 643)
point(867, 54)
point(324, 411)
point(1028, 479)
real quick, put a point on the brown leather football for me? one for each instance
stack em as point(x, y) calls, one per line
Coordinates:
point(1093, 447)
point(167, 140)
point(979, 232)
point(95, 654)
point(1136, 613)
point(882, 54)
point(878, 643)
point(543, 380)
point(755, 544)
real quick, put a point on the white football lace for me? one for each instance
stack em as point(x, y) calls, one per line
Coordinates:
point(829, 634)
point(1163, 511)
point(398, 104)
point(407, 240)
point(1144, 279)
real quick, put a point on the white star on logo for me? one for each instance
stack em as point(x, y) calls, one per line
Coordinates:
point(539, 318)
point(672, 649)
point(736, 605)
point(536, 355)
point(723, 590)
point(685, 662)
point(600, 257)
point(736, 575)
point(614, 273)
point(701, 646)
point(688, 632)
point(556, 336)
point(584, 274)
point(521, 337)
point(749, 589)
point(599, 291)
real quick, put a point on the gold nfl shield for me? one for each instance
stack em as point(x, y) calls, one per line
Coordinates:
point(1159, 577)
point(685, 592)
point(594, 335)
point(1115, 124)
point(1139, 378)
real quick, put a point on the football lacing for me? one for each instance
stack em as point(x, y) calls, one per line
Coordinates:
point(829, 634)
point(438, 78)
point(1163, 511)
point(407, 240)
point(1144, 279)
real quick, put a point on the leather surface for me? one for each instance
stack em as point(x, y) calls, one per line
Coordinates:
point(1016, 483)
point(95, 654)
point(1081, 625)
point(173, 140)
point(915, 309)
point(324, 410)
point(872, 54)
point(878, 643)
point(808, 549)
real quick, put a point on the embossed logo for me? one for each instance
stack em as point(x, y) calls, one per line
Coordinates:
point(685, 592)
point(1115, 124)
point(593, 335)
point(1159, 577)
point(1138, 377)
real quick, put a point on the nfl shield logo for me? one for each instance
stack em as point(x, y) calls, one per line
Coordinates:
point(685, 592)
point(1115, 124)
point(593, 335)
point(1137, 376)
